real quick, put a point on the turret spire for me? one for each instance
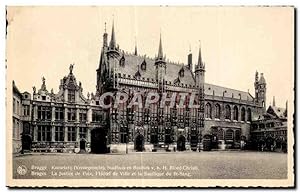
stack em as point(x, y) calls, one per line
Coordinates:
point(160, 50)
point(273, 101)
point(105, 36)
point(135, 48)
point(200, 62)
point(112, 43)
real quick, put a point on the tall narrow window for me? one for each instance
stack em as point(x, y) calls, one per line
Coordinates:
point(59, 133)
point(235, 113)
point(249, 114)
point(44, 133)
point(82, 115)
point(59, 113)
point(71, 114)
point(71, 134)
point(97, 116)
point(123, 134)
point(14, 106)
point(227, 112)
point(154, 135)
point(82, 132)
point(208, 110)
point(243, 114)
point(71, 96)
point(217, 111)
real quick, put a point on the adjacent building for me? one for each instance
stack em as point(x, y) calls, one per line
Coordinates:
point(269, 132)
point(21, 119)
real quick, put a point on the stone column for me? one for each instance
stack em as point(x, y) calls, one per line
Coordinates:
point(52, 133)
point(53, 114)
point(35, 114)
point(66, 133)
point(77, 115)
point(66, 114)
point(89, 115)
point(35, 133)
point(77, 134)
point(65, 95)
point(76, 96)
point(88, 137)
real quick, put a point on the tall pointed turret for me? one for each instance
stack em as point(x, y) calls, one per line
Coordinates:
point(160, 59)
point(200, 63)
point(112, 44)
point(160, 50)
point(274, 105)
point(200, 81)
point(105, 36)
point(135, 48)
point(190, 59)
point(260, 87)
point(113, 59)
point(161, 67)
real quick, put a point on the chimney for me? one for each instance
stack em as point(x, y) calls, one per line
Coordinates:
point(190, 60)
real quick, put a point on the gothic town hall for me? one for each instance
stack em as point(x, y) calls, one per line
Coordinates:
point(68, 121)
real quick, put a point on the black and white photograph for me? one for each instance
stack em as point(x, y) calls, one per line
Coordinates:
point(150, 96)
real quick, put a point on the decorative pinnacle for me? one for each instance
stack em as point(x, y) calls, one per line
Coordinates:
point(200, 63)
point(160, 50)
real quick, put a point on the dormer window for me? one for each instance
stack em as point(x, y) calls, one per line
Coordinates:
point(137, 75)
point(43, 98)
point(144, 66)
point(122, 61)
point(181, 72)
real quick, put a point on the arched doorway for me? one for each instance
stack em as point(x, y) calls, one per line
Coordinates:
point(139, 143)
point(181, 143)
point(26, 142)
point(82, 145)
point(207, 142)
point(98, 140)
point(269, 144)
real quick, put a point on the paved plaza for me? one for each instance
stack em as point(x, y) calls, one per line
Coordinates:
point(164, 165)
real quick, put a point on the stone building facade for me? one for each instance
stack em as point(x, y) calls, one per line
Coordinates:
point(21, 118)
point(269, 132)
point(68, 121)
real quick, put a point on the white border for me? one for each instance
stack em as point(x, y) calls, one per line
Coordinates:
point(3, 3)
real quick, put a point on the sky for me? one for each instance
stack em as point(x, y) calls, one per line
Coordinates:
point(235, 42)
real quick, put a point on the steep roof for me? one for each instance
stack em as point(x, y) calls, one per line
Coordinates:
point(133, 63)
point(211, 89)
point(277, 111)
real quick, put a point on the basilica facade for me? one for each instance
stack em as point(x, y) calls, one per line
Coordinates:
point(68, 121)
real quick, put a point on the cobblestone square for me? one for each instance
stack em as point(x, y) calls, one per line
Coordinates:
point(162, 165)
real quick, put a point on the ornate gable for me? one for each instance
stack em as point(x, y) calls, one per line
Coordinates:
point(69, 85)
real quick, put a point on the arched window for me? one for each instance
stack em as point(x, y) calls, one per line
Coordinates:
point(249, 114)
point(208, 110)
point(220, 134)
point(227, 112)
point(237, 135)
point(71, 95)
point(235, 113)
point(217, 111)
point(229, 134)
point(243, 114)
